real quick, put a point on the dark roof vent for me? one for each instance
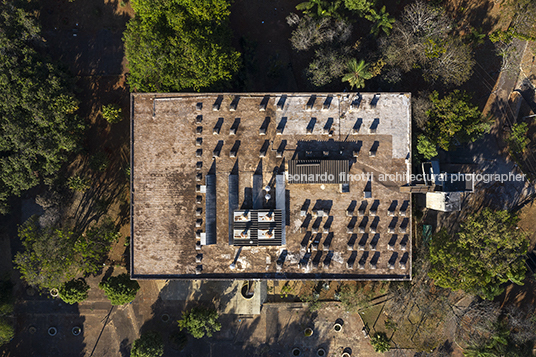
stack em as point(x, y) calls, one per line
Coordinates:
point(281, 102)
point(310, 103)
point(264, 103)
point(217, 104)
point(234, 104)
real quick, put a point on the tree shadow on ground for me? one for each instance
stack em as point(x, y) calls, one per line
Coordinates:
point(270, 332)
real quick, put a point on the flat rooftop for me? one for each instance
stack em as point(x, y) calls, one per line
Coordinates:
point(271, 186)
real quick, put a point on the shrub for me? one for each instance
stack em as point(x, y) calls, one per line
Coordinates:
point(200, 321)
point(6, 331)
point(112, 113)
point(518, 139)
point(149, 344)
point(74, 291)
point(78, 183)
point(380, 342)
point(426, 148)
point(120, 289)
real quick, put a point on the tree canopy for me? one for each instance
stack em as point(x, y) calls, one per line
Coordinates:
point(487, 251)
point(200, 321)
point(150, 344)
point(454, 119)
point(74, 291)
point(38, 124)
point(179, 44)
point(421, 40)
point(53, 256)
point(120, 289)
point(357, 73)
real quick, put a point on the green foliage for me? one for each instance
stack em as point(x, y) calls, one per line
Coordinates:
point(179, 45)
point(426, 148)
point(502, 36)
point(357, 73)
point(522, 13)
point(501, 342)
point(112, 113)
point(150, 344)
point(382, 21)
point(320, 8)
point(7, 331)
point(74, 291)
point(361, 7)
point(95, 244)
point(48, 259)
point(79, 183)
point(286, 290)
point(200, 321)
point(53, 256)
point(120, 289)
point(453, 119)
point(38, 124)
point(518, 139)
point(380, 342)
point(487, 251)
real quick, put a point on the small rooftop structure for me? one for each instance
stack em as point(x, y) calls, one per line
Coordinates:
point(271, 186)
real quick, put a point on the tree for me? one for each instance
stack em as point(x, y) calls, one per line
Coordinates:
point(150, 344)
point(74, 291)
point(327, 64)
point(112, 113)
point(382, 21)
point(179, 45)
point(38, 124)
point(324, 8)
point(361, 7)
point(420, 40)
point(358, 73)
point(200, 321)
point(518, 139)
point(120, 289)
point(453, 119)
point(95, 244)
point(316, 31)
point(522, 13)
point(53, 256)
point(426, 148)
point(380, 342)
point(48, 259)
point(487, 251)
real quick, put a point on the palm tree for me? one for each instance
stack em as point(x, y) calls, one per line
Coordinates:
point(382, 21)
point(358, 72)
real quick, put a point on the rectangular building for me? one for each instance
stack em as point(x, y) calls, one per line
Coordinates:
point(271, 186)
